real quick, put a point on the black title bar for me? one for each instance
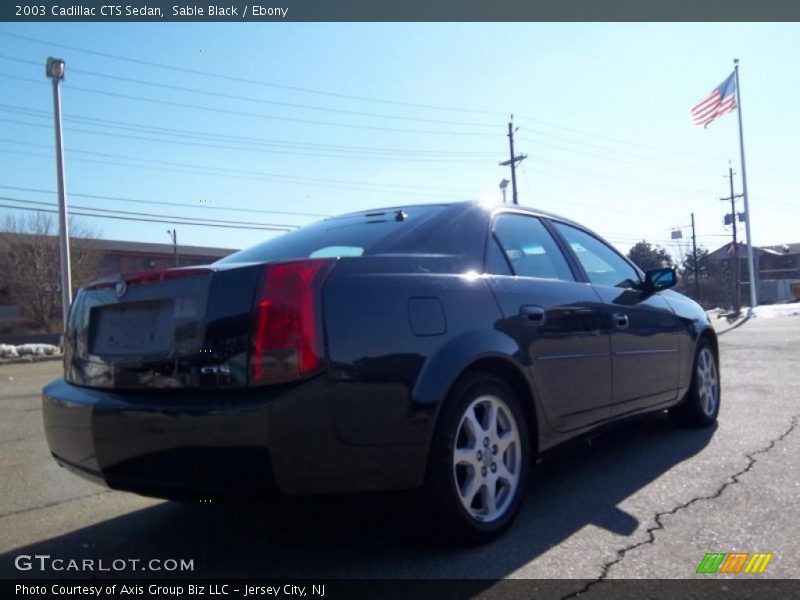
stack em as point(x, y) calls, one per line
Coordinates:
point(402, 10)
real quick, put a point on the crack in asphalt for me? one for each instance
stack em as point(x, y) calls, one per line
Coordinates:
point(52, 504)
point(35, 396)
point(20, 439)
point(733, 479)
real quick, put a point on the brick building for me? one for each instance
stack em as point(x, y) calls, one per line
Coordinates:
point(108, 257)
point(125, 257)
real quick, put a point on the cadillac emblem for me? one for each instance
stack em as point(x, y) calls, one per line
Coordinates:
point(120, 288)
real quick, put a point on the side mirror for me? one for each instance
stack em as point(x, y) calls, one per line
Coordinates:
point(660, 279)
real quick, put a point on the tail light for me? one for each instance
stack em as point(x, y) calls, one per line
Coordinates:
point(287, 331)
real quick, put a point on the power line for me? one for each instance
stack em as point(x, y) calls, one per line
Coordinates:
point(596, 174)
point(604, 137)
point(165, 203)
point(242, 113)
point(197, 72)
point(246, 149)
point(620, 237)
point(627, 143)
point(613, 155)
point(206, 168)
point(370, 157)
point(141, 219)
point(248, 81)
point(325, 183)
point(199, 171)
point(567, 171)
point(273, 226)
point(617, 181)
point(213, 136)
point(252, 99)
point(242, 173)
point(537, 199)
point(683, 166)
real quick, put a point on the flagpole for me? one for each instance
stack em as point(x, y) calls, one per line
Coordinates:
point(750, 265)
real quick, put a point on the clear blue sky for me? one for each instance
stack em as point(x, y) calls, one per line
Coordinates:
point(602, 110)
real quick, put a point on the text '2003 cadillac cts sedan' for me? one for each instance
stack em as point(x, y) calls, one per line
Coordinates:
point(440, 347)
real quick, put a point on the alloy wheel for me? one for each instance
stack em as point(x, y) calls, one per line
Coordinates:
point(487, 458)
point(707, 381)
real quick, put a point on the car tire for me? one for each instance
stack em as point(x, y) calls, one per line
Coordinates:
point(700, 406)
point(479, 462)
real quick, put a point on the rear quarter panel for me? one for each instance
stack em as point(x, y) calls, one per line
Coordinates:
point(398, 331)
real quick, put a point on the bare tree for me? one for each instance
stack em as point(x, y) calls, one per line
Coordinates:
point(30, 264)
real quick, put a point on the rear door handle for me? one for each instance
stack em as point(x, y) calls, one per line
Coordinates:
point(533, 315)
point(621, 320)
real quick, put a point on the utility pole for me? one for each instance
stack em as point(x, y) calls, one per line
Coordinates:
point(55, 70)
point(735, 270)
point(513, 160)
point(694, 258)
point(173, 233)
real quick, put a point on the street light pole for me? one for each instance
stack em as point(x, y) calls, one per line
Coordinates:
point(503, 186)
point(55, 69)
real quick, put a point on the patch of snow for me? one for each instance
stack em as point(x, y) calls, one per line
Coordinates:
point(769, 311)
point(38, 350)
point(765, 311)
point(9, 351)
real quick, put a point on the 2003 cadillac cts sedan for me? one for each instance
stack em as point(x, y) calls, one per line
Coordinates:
point(441, 347)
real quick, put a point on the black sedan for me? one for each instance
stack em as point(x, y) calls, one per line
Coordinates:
point(433, 347)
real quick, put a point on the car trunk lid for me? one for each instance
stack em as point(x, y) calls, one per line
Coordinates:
point(161, 330)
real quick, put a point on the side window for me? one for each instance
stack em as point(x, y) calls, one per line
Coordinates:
point(530, 249)
point(497, 264)
point(603, 265)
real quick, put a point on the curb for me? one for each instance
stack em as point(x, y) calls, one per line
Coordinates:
point(736, 325)
point(29, 359)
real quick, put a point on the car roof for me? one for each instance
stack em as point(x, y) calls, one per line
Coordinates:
point(488, 206)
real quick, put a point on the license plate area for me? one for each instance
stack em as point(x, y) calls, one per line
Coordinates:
point(132, 329)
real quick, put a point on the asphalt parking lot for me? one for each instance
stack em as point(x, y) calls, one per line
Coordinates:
point(646, 500)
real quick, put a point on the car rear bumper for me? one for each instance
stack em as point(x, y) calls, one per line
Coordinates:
point(249, 444)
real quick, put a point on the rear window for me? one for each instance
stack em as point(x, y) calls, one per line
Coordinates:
point(348, 235)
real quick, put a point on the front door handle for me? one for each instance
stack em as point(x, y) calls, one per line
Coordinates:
point(621, 320)
point(533, 315)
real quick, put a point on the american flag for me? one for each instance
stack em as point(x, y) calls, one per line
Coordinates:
point(721, 100)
